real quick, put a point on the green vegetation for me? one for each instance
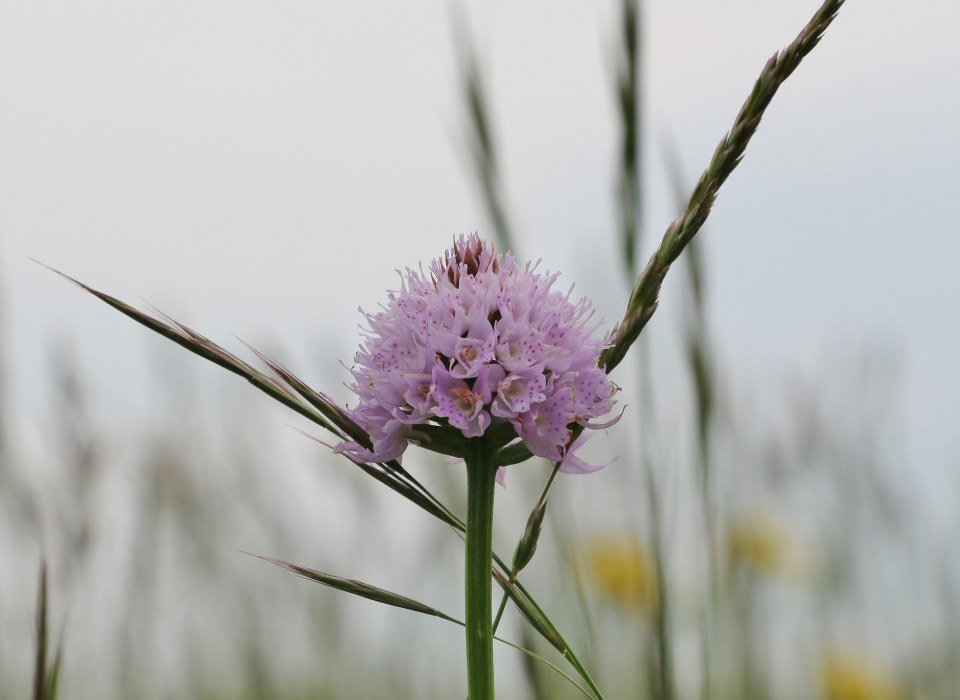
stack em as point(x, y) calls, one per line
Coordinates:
point(733, 560)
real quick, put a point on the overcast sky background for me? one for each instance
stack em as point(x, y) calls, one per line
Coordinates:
point(261, 169)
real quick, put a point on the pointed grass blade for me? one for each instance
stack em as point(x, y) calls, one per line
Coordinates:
point(358, 588)
point(531, 613)
point(200, 345)
point(320, 401)
point(391, 474)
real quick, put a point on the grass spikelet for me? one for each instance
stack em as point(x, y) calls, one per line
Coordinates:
point(644, 297)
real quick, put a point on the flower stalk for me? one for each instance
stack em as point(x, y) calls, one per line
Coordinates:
point(478, 587)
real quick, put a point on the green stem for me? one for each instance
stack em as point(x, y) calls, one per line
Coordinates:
point(481, 480)
point(447, 516)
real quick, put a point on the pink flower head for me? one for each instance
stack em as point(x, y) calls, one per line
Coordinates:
point(478, 344)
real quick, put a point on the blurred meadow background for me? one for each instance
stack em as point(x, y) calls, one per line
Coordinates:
point(781, 519)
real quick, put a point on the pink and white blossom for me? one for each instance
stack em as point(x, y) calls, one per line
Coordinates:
point(476, 341)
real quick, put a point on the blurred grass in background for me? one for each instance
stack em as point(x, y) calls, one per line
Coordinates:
point(769, 552)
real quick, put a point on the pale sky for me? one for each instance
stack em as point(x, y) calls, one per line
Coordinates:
point(261, 169)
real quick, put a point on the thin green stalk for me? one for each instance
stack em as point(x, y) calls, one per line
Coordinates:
point(703, 384)
point(575, 662)
point(631, 193)
point(500, 609)
point(478, 589)
point(702, 373)
point(40, 665)
point(663, 610)
point(46, 674)
point(484, 155)
point(644, 298)
point(531, 672)
point(662, 663)
point(630, 102)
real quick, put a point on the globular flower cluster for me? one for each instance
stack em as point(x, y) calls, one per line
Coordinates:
point(479, 341)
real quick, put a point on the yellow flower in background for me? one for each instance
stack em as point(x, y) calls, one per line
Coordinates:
point(622, 570)
point(766, 547)
point(849, 677)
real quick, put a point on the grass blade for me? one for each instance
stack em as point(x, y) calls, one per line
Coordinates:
point(629, 101)
point(358, 588)
point(207, 349)
point(483, 153)
point(45, 676)
point(320, 401)
point(40, 660)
